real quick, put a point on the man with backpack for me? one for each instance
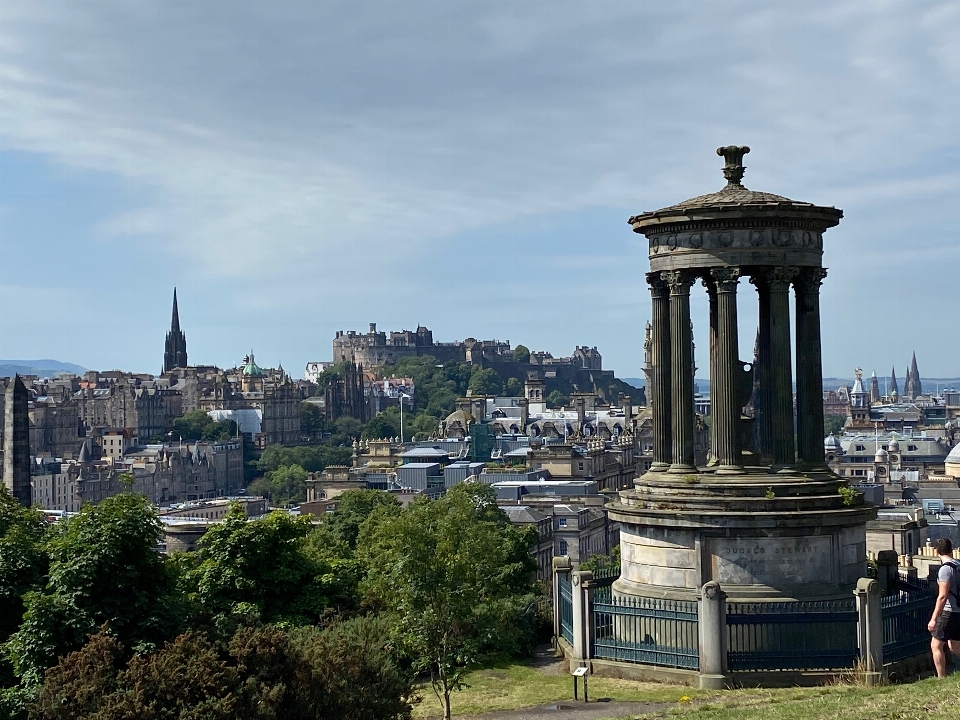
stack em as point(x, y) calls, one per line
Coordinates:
point(944, 624)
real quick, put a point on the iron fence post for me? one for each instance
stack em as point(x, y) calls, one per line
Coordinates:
point(869, 630)
point(712, 626)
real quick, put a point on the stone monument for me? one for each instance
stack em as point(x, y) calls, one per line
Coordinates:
point(16, 442)
point(765, 518)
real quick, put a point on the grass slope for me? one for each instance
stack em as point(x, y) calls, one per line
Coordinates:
point(512, 687)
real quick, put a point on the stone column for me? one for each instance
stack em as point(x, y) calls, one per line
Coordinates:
point(712, 630)
point(16, 442)
point(561, 566)
point(660, 395)
point(763, 411)
point(781, 400)
point(809, 368)
point(724, 408)
point(582, 616)
point(869, 630)
point(709, 284)
point(681, 363)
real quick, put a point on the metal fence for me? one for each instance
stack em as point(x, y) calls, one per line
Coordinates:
point(566, 608)
point(792, 635)
point(646, 630)
point(905, 615)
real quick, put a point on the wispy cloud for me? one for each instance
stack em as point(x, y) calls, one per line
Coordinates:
point(320, 146)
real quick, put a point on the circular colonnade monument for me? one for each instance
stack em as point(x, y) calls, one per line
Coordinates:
point(765, 518)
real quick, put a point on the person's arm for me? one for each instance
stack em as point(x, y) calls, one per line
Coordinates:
point(941, 602)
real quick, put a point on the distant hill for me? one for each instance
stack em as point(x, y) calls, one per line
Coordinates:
point(42, 368)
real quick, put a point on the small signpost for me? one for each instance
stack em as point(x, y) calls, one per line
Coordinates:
point(580, 672)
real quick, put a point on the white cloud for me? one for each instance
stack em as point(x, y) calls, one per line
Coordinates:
point(308, 145)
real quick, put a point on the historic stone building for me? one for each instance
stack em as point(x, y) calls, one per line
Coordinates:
point(175, 348)
point(346, 396)
point(270, 393)
point(175, 472)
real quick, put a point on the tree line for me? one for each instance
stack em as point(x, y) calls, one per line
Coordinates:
point(268, 618)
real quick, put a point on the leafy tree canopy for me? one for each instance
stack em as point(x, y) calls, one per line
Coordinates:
point(353, 509)
point(104, 568)
point(521, 353)
point(456, 577)
point(312, 421)
point(284, 486)
point(197, 425)
point(513, 387)
point(485, 381)
point(267, 568)
point(833, 424)
point(557, 399)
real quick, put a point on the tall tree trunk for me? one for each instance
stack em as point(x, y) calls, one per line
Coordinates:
point(446, 695)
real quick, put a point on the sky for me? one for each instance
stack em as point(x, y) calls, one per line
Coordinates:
point(298, 168)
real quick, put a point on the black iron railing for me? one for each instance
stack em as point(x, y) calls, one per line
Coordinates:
point(792, 635)
point(905, 616)
point(646, 630)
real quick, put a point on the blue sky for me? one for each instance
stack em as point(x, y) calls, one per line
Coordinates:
point(298, 168)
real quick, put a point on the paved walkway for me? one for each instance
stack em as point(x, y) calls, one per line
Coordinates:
point(570, 710)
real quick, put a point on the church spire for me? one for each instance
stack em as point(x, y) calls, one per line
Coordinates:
point(175, 349)
point(917, 388)
point(175, 320)
point(893, 389)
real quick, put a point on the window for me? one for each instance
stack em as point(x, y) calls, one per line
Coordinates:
point(858, 472)
point(580, 466)
point(911, 448)
point(563, 547)
point(561, 522)
point(861, 447)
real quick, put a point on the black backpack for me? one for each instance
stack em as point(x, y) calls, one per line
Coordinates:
point(955, 585)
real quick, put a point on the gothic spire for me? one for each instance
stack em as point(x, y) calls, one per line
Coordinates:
point(893, 382)
point(175, 348)
point(915, 376)
point(175, 320)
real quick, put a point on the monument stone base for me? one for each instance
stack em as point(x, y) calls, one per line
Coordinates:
point(763, 535)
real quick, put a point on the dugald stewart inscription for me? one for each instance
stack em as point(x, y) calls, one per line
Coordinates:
point(772, 561)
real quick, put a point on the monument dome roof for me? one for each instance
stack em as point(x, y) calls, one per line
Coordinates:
point(734, 195)
point(250, 367)
point(831, 442)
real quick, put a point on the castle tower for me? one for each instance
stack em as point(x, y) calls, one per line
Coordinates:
point(16, 442)
point(175, 349)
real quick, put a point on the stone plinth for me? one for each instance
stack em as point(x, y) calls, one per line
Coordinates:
point(761, 535)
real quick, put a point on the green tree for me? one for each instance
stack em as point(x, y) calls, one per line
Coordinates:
point(348, 671)
point(521, 353)
point(456, 577)
point(312, 422)
point(833, 424)
point(513, 387)
point(384, 425)
point(354, 507)
point(197, 425)
point(312, 458)
point(104, 568)
point(485, 381)
point(268, 569)
point(287, 485)
point(557, 399)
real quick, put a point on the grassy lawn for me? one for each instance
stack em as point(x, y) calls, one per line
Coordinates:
point(521, 686)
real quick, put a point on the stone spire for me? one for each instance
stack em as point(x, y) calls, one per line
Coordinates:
point(175, 350)
point(16, 442)
point(916, 388)
point(874, 388)
point(894, 388)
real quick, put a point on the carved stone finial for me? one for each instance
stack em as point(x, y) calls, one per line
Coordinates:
point(733, 168)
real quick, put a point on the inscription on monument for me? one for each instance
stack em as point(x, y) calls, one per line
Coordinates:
point(772, 561)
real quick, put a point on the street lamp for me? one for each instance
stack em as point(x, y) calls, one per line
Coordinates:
point(402, 396)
